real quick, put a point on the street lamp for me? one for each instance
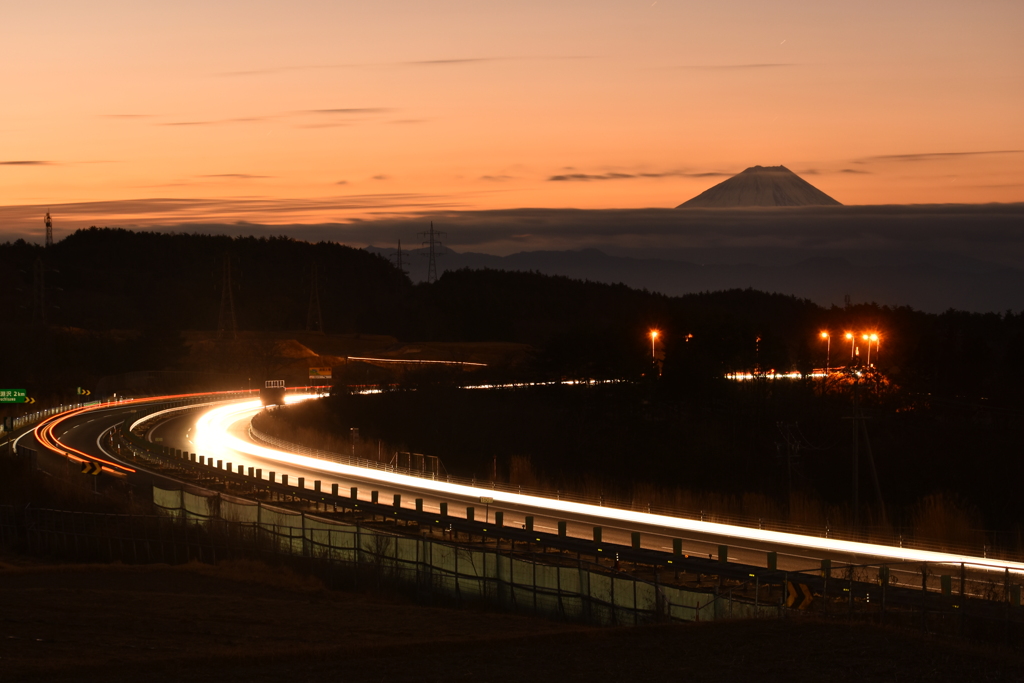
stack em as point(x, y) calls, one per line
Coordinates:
point(869, 338)
point(853, 341)
point(828, 349)
point(654, 338)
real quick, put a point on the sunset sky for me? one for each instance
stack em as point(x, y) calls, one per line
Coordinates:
point(144, 113)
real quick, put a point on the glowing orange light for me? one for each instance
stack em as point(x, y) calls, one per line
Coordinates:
point(874, 337)
point(654, 334)
point(849, 335)
point(824, 335)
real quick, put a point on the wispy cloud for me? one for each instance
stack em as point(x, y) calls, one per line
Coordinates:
point(854, 170)
point(126, 116)
point(496, 178)
point(449, 62)
point(452, 62)
point(219, 122)
point(235, 176)
point(735, 67)
point(28, 163)
point(381, 177)
point(349, 111)
point(930, 156)
point(587, 177)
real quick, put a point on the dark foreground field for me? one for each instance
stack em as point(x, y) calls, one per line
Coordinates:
point(245, 621)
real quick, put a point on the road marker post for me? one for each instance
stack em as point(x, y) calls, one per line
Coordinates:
point(773, 561)
point(723, 553)
point(634, 538)
point(562, 529)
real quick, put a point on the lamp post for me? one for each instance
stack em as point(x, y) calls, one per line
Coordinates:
point(828, 349)
point(871, 338)
point(654, 338)
point(853, 341)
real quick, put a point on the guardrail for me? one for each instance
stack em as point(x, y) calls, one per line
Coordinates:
point(904, 591)
point(897, 540)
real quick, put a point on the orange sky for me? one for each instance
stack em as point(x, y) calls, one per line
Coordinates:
point(332, 111)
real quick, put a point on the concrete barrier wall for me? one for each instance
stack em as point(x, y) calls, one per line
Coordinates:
point(577, 593)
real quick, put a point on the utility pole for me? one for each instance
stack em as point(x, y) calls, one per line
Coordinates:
point(49, 229)
point(227, 325)
point(314, 317)
point(860, 427)
point(433, 241)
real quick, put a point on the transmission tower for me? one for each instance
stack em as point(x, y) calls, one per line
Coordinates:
point(49, 230)
point(433, 241)
point(227, 327)
point(314, 318)
point(399, 262)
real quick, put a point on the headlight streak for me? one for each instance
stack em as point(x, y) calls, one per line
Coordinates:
point(45, 435)
point(44, 431)
point(212, 434)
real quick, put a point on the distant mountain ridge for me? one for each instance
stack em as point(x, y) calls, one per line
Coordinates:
point(761, 186)
point(931, 285)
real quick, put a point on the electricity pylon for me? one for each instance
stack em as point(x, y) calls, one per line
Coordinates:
point(433, 241)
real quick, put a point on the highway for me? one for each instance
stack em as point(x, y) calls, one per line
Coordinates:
point(222, 433)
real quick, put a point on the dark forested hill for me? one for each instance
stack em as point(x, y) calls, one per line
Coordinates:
point(140, 289)
point(119, 279)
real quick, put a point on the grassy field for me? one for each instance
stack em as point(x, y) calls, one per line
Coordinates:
point(245, 621)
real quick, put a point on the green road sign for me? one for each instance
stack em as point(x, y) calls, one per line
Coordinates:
point(14, 396)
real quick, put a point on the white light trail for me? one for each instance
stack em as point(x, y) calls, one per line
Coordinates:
point(212, 435)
